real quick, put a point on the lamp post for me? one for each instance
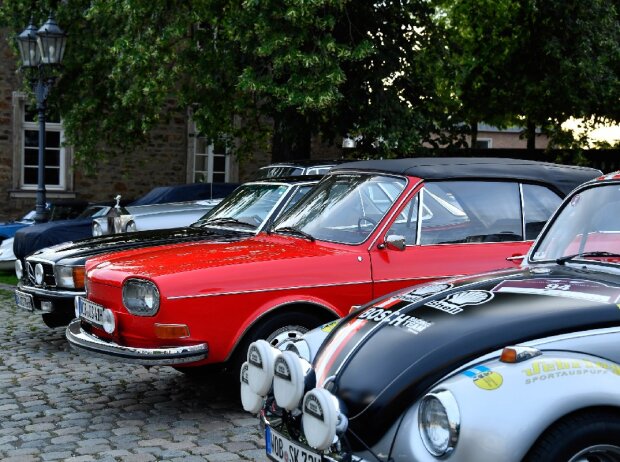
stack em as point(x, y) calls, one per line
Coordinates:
point(41, 51)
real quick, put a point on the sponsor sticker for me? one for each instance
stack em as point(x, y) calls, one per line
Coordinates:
point(244, 374)
point(394, 318)
point(542, 371)
point(485, 378)
point(425, 291)
point(313, 407)
point(567, 288)
point(454, 303)
point(254, 357)
point(329, 326)
point(281, 369)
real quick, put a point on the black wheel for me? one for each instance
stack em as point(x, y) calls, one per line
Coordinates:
point(589, 437)
point(275, 330)
point(56, 319)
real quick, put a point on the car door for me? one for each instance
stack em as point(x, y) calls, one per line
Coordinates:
point(450, 228)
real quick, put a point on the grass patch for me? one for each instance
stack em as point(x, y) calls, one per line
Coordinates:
point(8, 277)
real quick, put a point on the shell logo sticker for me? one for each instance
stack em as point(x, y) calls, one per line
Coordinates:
point(454, 303)
point(485, 378)
point(425, 291)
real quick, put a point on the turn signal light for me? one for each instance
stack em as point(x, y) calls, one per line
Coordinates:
point(79, 273)
point(171, 331)
point(516, 354)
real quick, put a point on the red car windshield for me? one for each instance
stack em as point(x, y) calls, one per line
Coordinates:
point(344, 208)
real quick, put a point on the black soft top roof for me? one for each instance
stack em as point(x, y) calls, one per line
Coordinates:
point(563, 177)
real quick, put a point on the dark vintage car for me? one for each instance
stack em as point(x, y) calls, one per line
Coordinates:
point(366, 229)
point(57, 210)
point(53, 276)
point(36, 237)
point(507, 366)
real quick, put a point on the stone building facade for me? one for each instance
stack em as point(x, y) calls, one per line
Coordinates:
point(175, 154)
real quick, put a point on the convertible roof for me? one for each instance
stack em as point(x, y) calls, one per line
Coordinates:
point(563, 177)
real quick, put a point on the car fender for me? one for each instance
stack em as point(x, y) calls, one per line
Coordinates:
point(322, 308)
point(504, 408)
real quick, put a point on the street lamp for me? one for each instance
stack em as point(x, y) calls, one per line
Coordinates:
point(41, 50)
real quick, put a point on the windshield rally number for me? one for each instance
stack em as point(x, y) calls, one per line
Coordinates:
point(279, 448)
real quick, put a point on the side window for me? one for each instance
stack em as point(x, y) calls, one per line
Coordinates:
point(471, 211)
point(539, 202)
point(406, 223)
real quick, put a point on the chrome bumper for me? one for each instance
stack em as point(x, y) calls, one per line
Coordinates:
point(53, 293)
point(89, 344)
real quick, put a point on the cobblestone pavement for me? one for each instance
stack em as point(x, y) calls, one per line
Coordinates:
point(58, 405)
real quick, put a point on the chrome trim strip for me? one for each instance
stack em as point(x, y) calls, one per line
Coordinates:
point(239, 292)
point(50, 293)
point(427, 278)
point(85, 343)
point(522, 200)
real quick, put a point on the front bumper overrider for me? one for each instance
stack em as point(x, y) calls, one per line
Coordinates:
point(89, 344)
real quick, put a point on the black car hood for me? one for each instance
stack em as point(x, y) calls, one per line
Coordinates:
point(32, 238)
point(77, 252)
point(383, 358)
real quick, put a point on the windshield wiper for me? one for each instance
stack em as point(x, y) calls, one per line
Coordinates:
point(295, 232)
point(598, 253)
point(227, 221)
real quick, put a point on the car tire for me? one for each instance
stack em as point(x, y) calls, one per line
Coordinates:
point(594, 435)
point(56, 319)
point(274, 329)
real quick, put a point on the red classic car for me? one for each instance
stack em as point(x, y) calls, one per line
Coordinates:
point(368, 228)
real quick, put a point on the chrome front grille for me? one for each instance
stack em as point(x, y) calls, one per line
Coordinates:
point(49, 280)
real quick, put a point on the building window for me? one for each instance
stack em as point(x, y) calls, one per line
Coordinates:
point(54, 152)
point(211, 161)
point(26, 157)
point(483, 143)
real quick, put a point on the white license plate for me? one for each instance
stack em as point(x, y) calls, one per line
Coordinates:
point(281, 449)
point(90, 311)
point(24, 301)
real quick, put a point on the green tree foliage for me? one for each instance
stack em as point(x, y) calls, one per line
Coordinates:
point(272, 73)
point(261, 72)
point(535, 62)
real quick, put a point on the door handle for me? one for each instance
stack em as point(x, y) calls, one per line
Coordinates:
point(515, 257)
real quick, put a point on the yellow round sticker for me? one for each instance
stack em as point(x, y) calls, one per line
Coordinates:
point(489, 380)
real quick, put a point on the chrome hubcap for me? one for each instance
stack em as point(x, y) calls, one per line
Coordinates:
point(598, 453)
point(285, 333)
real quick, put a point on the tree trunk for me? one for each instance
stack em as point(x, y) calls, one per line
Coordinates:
point(473, 127)
point(291, 137)
point(531, 135)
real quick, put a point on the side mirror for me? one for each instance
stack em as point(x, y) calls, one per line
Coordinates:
point(395, 242)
